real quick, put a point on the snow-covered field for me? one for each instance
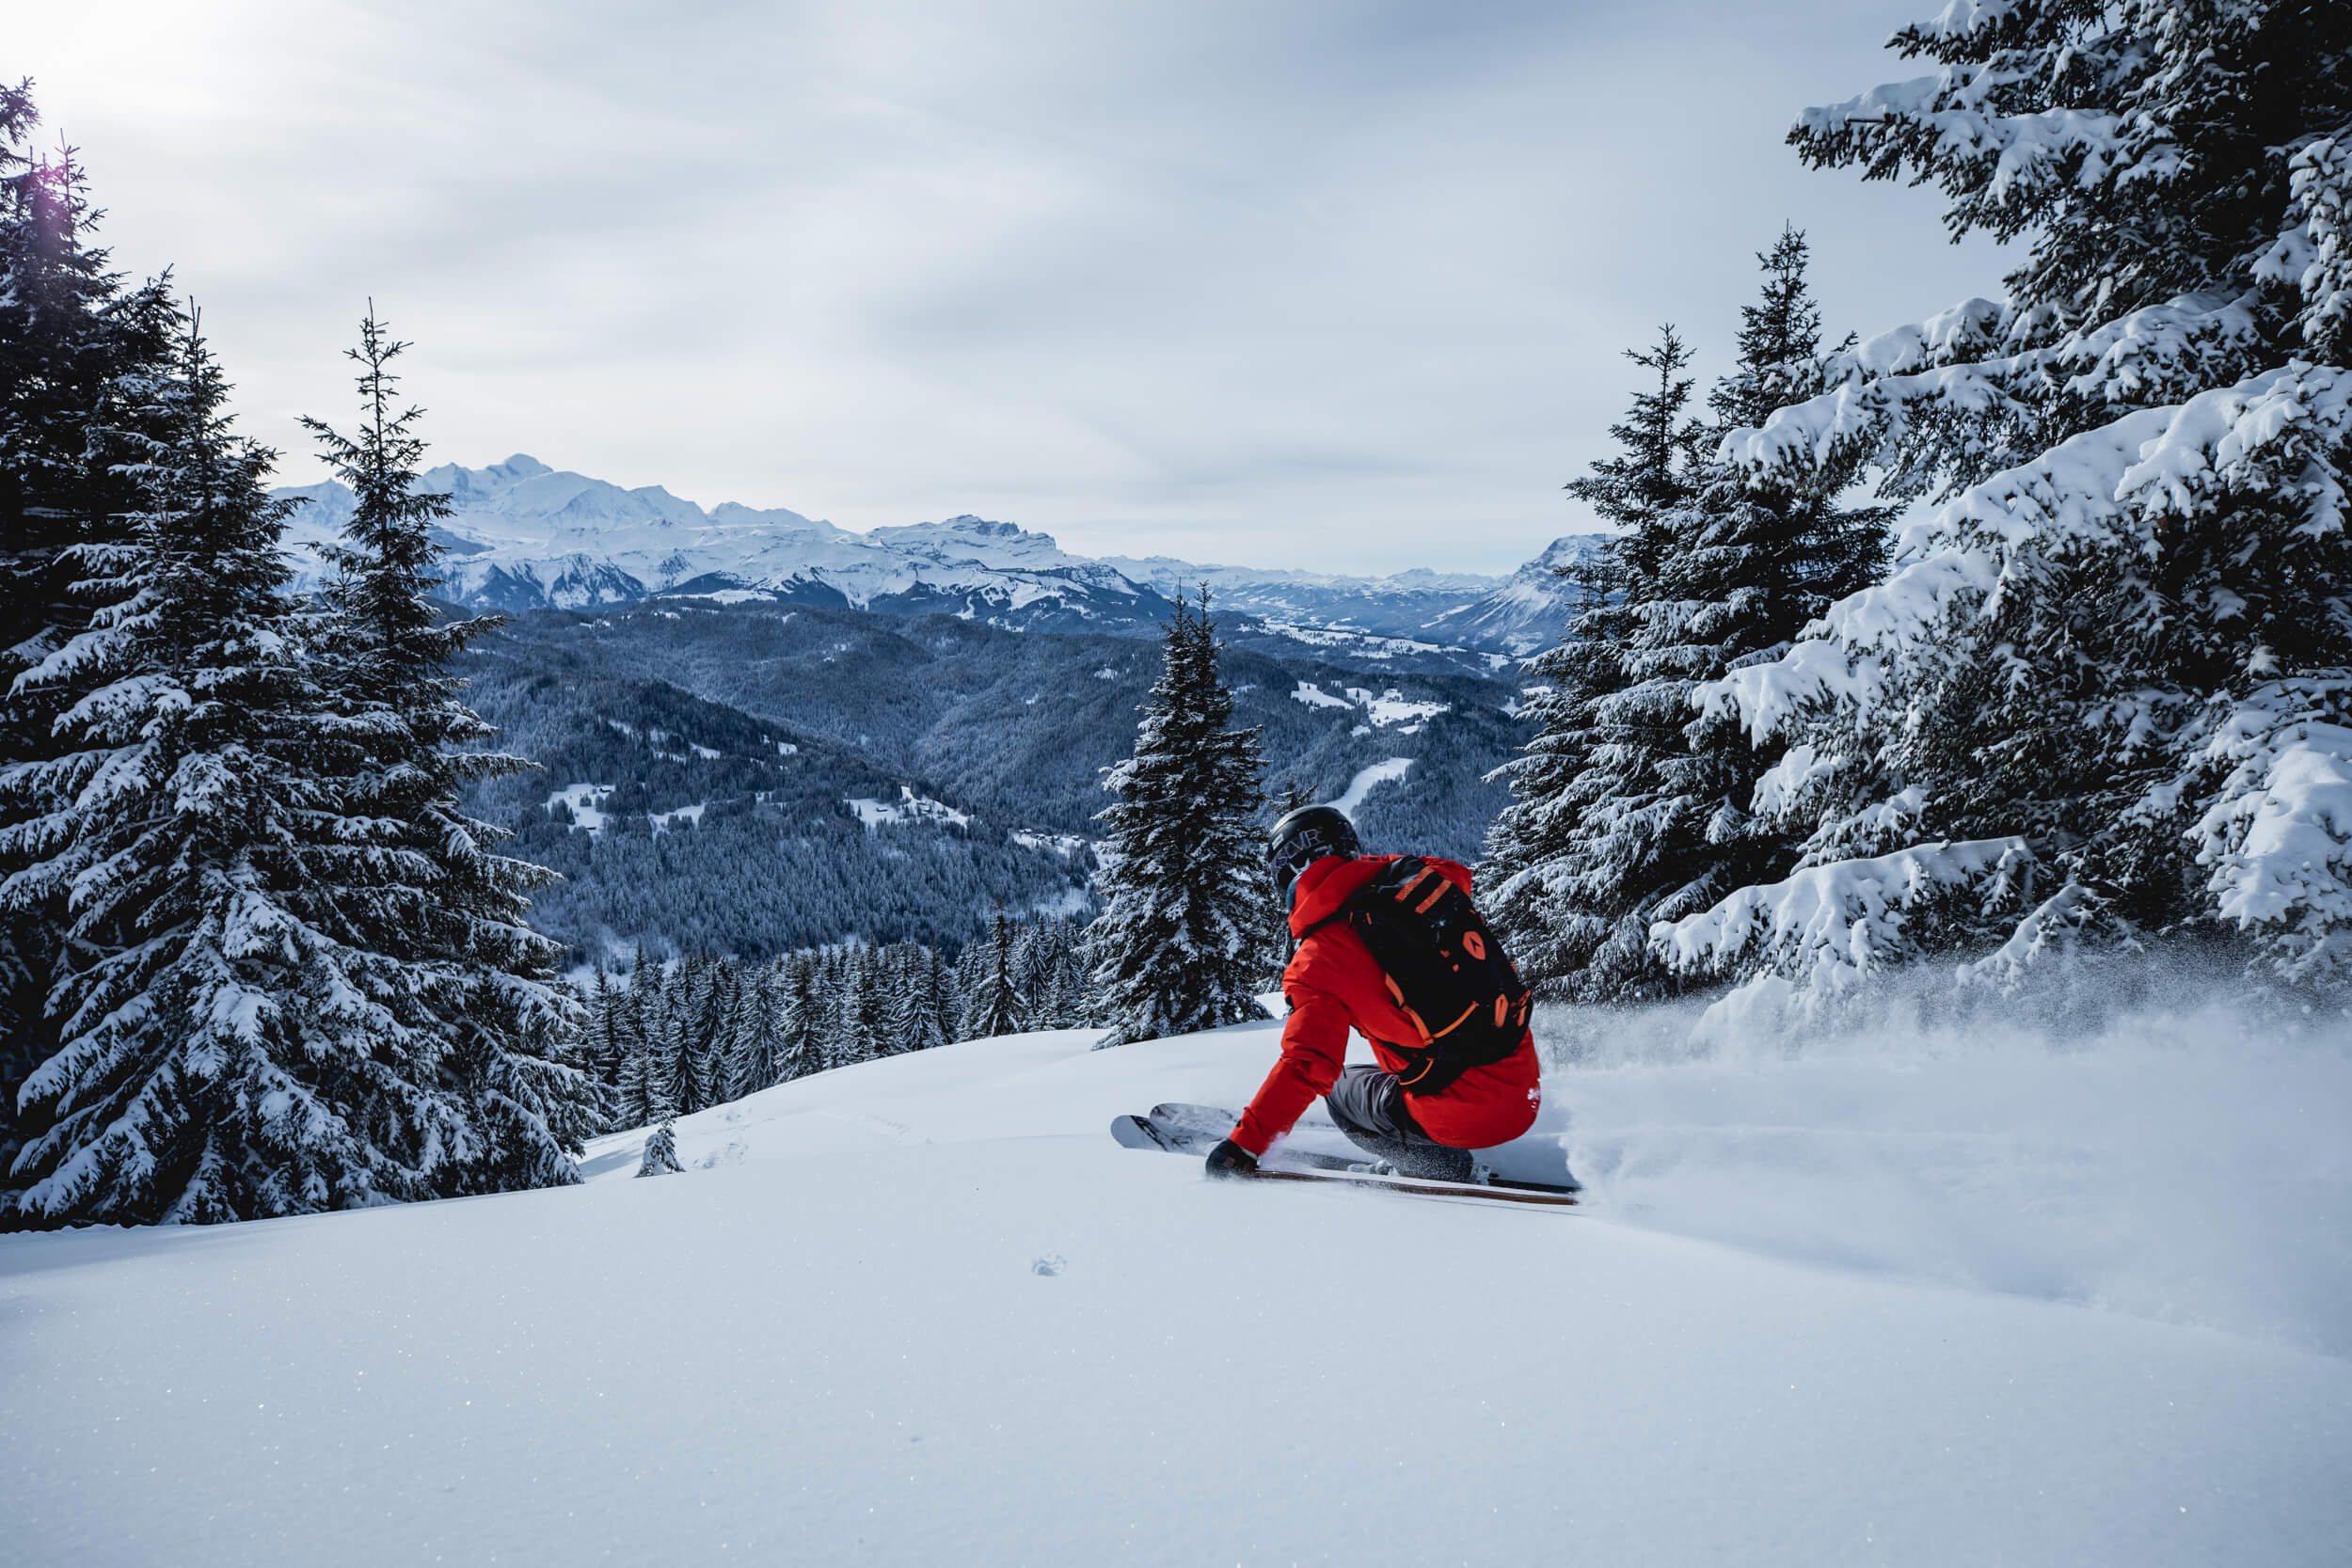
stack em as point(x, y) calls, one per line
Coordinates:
point(1961, 1300)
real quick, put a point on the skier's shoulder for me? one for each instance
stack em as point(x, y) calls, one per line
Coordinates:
point(1453, 871)
point(1369, 868)
point(1326, 887)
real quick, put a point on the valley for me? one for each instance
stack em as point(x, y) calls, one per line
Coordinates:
point(751, 777)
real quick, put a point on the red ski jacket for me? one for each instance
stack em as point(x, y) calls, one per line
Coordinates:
point(1333, 983)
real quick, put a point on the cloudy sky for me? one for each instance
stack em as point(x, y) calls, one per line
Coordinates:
point(1328, 284)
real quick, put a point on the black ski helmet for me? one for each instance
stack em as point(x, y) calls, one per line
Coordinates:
point(1304, 836)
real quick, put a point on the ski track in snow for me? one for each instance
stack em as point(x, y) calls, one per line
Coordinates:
point(924, 1310)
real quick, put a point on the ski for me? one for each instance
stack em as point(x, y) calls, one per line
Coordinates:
point(1210, 1119)
point(1170, 1138)
point(1534, 1164)
point(1151, 1133)
point(1425, 1187)
point(1143, 1132)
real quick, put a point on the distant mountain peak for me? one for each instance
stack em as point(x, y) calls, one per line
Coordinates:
point(525, 537)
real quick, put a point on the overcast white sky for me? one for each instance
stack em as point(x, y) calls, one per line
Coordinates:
point(1331, 285)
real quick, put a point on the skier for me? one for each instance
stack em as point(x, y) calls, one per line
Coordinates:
point(1485, 1088)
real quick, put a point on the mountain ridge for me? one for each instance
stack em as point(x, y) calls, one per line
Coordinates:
point(523, 536)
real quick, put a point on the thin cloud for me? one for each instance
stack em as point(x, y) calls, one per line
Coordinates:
point(1335, 286)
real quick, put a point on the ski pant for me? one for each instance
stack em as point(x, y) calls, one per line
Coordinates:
point(1369, 1107)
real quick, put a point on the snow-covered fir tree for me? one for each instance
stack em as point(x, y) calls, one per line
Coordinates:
point(668, 1076)
point(660, 1156)
point(996, 1006)
point(695, 1005)
point(1047, 972)
point(1716, 569)
point(220, 1055)
point(1544, 877)
point(857, 1035)
point(434, 921)
point(1188, 934)
point(756, 1050)
point(604, 1037)
point(75, 346)
point(635, 1090)
point(947, 1002)
point(973, 969)
point(607, 1041)
point(907, 1023)
point(805, 1022)
point(712, 1007)
point(2103, 691)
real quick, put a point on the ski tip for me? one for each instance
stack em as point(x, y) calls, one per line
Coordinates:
point(1197, 1119)
point(1138, 1133)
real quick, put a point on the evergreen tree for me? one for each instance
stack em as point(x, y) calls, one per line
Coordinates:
point(754, 1047)
point(806, 1022)
point(1057, 990)
point(672, 1067)
point(856, 1034)
point(660, 1058)
point(604, 1038)
point(1053, 1008)
point(220, 1055)
point(1546, 882)
point(1188, 933)
point(905, 1004)
point(1031, 957)
point(631, 1057)
point(2091, 697)
point(407, 878)
point(660, 1157)
point(974, 966)
point(712, 1007)
point(636, 1094)
point(1715, 573)
point(77, 348)
point(996, 1008)
point(648, 1021)
point(947, 1001)
point(605, 1046)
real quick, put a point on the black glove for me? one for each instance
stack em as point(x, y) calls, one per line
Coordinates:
point(1230, 1159)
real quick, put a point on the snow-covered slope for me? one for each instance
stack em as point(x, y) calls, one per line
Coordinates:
point(1529, 611)
point(1401, 605)
point(923, 1311)
point(525, 537)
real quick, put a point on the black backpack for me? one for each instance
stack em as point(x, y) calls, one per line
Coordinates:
point(1443, 966)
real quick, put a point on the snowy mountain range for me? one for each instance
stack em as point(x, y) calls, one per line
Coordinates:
point(525, 537)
